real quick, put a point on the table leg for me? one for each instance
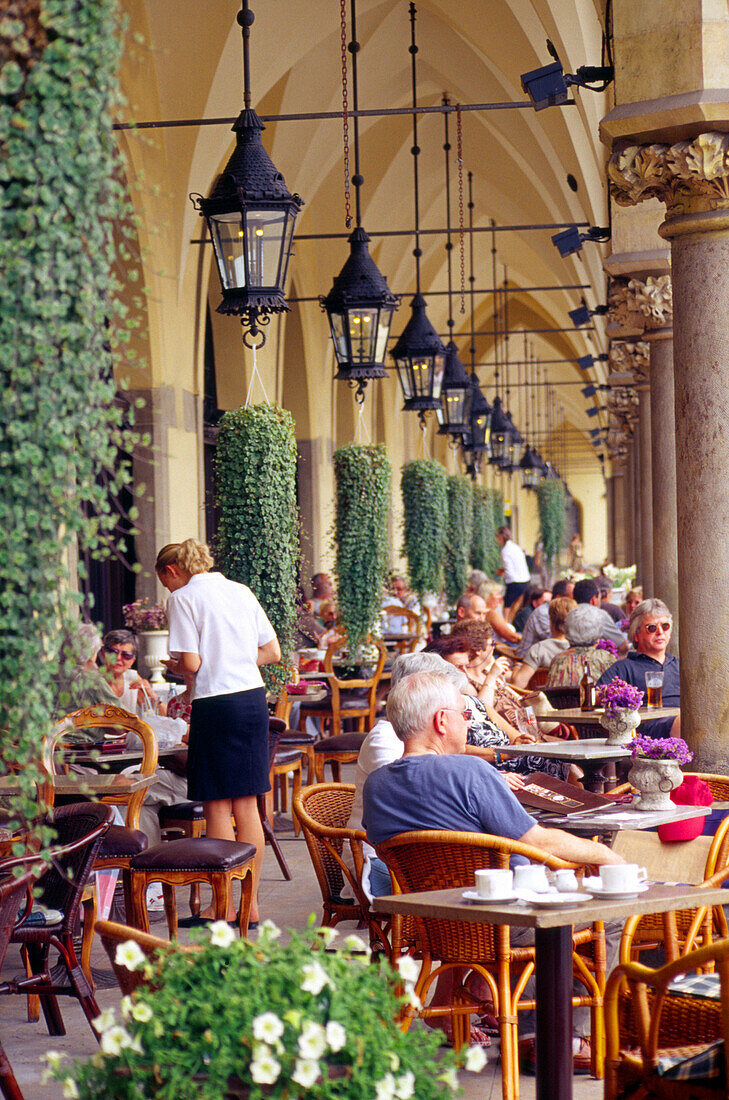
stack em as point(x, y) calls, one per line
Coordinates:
point(554, 1013)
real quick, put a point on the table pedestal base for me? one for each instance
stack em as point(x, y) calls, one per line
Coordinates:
point(554, 1013)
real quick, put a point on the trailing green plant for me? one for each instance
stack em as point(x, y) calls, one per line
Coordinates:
point(258, 534)
point(276, 1018)
point(458, 536)
point(424, 487)
point(64, 229)
point(484, 547)
point(551, 502)
point(497, 504)
point(362, 475)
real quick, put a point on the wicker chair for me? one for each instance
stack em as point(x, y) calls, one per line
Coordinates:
point(644, 1019)
point(112, 935)
point(436, 860)
point(344, 704)
point(11, 895)
point(323, 811)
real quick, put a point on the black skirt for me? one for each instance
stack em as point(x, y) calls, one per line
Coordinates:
point(228, 751)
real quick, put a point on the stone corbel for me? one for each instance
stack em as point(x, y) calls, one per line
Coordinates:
point(690, 177)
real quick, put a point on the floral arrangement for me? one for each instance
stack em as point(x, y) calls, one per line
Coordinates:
point(624, 624)
point(661, 748)
point(270, 1019)
point(606, 643)
point(139, 617)
point(617, 696)
point(621, 577)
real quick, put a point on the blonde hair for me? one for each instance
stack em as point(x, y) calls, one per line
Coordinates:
point(190, 555)
point(489, 589)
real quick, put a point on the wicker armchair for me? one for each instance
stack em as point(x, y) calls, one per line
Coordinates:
point(436, 860)
point(11, 895)
point(112, 935)
point(645, 1019)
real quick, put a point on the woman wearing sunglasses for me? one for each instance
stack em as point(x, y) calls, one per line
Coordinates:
point(650, 632)
point(119, 650)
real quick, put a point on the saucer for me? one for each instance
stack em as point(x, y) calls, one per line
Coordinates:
point(555, 900)
point(471, 895)
point(595, 887)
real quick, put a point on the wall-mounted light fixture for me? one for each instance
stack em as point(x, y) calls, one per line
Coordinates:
point(548, 86)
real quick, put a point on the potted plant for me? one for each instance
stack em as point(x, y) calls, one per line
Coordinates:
point(656, 770)
point(150, 626)
point(552, 517)
point(484, 547)
point(237, 1019)
point(621, 703)
point(458, 535)
point(423, 484)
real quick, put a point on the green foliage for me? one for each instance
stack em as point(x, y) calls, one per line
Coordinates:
point(258, 537)
point(423, 484)
point(497, 504)
point(264, 1019)
point(484, 547)
point(60, 328)
point(552, 517)
point(362, 476)
point(458, 537)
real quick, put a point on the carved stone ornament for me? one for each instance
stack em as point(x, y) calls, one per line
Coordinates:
point(638, 307)
point(632, 357)
point(690, 177)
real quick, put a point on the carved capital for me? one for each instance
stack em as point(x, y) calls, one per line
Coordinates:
point(631, 357)
point(638, 306)
point(690, 177)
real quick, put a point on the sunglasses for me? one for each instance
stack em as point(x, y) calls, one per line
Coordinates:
point(653, 627)
point(125, 654)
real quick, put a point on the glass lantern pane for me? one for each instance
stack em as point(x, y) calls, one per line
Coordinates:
point(422, 375)
point(438, 372)
point(265, 230)
point(226, 231)
point(383, 331)
point(340, 340)
point(286, 248)
point(362, 333)
point(403, 370)
point(452, 405)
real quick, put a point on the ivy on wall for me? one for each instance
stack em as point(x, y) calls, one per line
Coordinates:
point(497, 505)
point(362, 476)
point(459, 534)
point(551, 502)
point(484, 547)
point(258, 535)
point(60, 329)
point(423, 484)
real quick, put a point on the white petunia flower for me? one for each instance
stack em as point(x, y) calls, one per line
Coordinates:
point(130, 955)
point(126, 1007)
point(105, 1020)
point(394, 1061)
point(265, 1070)
point(267, 1027)
point(385, 1089)
point(221, 934)
point(328, 935)
point(450, 1077)
point(312, 1041)
point(475, 1059)
point(315, 978)
point(141, 1012)
point(270, 929)
point(306, 1071)
point(115, 1039)
point(69, 1089)
point(405, 1085)
point(53, 1060)
point(408, 968)
point(336, 1035)
point(354, 943)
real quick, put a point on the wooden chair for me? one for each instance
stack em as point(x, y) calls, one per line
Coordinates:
point(434, 860)
point(12, 891)
point(335, 751)
point(350, 699)
point(112, 935)
point(414, 626)
point(539, 679)
point(286, 762)
point(323, 811)
point(644, 1019)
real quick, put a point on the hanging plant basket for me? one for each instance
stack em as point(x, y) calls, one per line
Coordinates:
point(484, 547)
point(552, 506)
point(424, 487)
point(458, 537)
point(362, 476)
point(258, 536)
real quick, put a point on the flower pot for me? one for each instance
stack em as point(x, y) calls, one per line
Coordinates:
point(655, 779)
point(621, 726)
point(152, 651)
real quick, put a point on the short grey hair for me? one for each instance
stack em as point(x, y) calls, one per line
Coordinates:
point(413, 702)
point(642, 611)
point(87, 642)
point(408, 664)
point(584, 624)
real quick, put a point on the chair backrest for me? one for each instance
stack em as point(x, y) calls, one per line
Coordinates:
point(413, 625)
point(274, 736)
point(113, 934)
point(105, 715)
point(323, 811)
point(539, 678)
point(562, 698)
point(12, 890)
point(680, 861)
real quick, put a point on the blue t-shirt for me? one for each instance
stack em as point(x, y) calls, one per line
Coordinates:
point(633, 668)
point(457, 793)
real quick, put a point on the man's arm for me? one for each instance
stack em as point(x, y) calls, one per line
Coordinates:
point(556, 842)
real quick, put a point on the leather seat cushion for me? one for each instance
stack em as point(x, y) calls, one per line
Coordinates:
point(181, 811)
point(194, 854)
point(119, 842)
point(342, 742)
point(287, 756)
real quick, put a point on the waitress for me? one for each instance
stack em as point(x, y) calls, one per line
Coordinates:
point(220, 634)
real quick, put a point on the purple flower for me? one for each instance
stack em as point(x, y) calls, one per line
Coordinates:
point(661, 748)
point(617, 696)
point(624, 624)
point(138, 617)
point(605, 643)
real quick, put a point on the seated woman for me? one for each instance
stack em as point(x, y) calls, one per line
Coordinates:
point(631, 601)
point(541, 654)
point(582, 628)
point(132, 691)
point(492, 592)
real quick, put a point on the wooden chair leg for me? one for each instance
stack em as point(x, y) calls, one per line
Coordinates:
point(246, 900)
point(33, 1005)
point(89, 915)
point(294, 793)
point(195, 902)
point(221, 884)
point(8, 1085)
point(139, 918)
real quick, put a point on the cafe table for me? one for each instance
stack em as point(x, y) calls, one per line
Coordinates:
point(590, 753)
point(574, 716)
point(553, 942)
point(114, 790)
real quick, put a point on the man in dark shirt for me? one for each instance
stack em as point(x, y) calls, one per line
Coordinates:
point(650, 632)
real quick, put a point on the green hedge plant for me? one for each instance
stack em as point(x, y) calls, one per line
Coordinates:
point(258, 535)
point(459, 534)
point(552, 518)
point(484, 547)
point(424, 488)
point(362, 475)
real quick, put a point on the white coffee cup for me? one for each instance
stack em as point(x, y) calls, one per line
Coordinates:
point(565, 880)
point(620, 878)
point(494, 883)
point(531, 876)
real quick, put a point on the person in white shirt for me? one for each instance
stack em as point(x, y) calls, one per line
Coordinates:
point(514, 569)
point(220, 633)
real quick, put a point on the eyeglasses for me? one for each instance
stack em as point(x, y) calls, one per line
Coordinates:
point(465, 714)
point(653, 627)
point(125, 654)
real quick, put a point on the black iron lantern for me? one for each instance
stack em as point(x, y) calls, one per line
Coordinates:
point(500, 433)
point(420, 360)
point(530, 468)
point(512, 442)
point(454, 414)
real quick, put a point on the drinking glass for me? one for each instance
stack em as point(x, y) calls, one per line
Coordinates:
point(654, 688)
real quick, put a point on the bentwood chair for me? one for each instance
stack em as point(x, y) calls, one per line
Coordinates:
point(436, 860)
point(350, 699)
point(413, 626)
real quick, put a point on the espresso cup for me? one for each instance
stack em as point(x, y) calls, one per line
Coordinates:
point(531, 876)
point(494, 883)
point(565, 880)
point(620, 878)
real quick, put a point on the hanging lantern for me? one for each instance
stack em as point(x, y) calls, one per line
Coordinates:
point(454, 414)
point(530, 468)
point(420, 360)
point(500, 429)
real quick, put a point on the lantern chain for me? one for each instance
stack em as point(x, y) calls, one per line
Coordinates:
point(345, 113)
point(461, 234)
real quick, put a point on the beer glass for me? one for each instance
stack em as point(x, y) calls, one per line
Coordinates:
point(654, 688)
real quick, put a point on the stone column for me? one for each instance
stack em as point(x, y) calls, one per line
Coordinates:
point(665, 548)
point(637, 514)
point(645, 496)
point(618, 518)
point(692, 178)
